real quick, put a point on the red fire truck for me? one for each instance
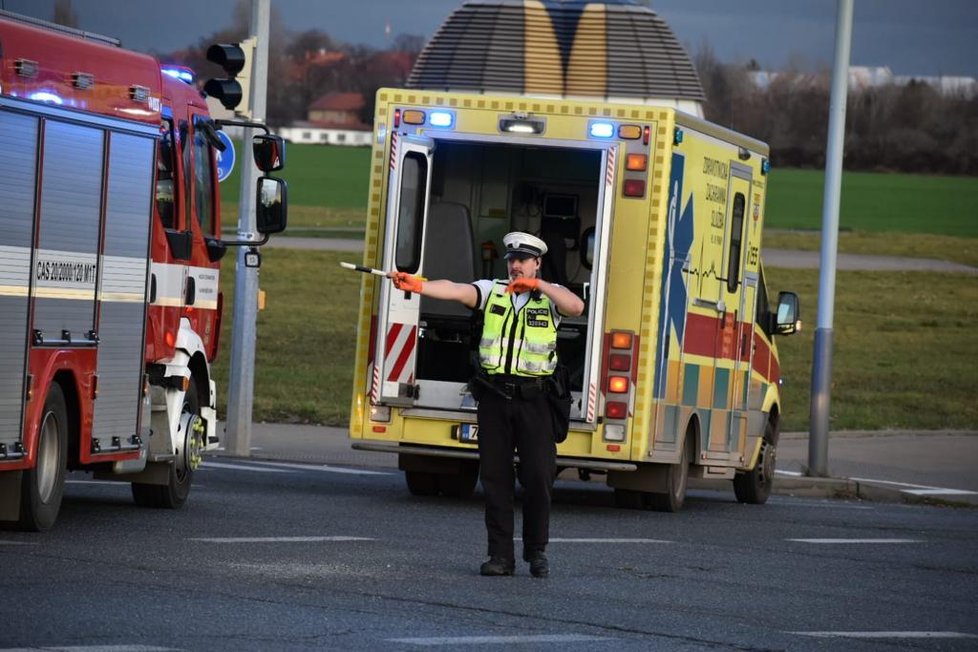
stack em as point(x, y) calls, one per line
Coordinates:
point(109, 259)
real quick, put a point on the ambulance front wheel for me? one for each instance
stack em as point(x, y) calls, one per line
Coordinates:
point(44, 485)
point(175, 492)
point(754, 486)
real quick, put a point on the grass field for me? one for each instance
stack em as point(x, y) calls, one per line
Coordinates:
point(318, 177)
point(904, 356)
point(905, 343)
point(880, 203)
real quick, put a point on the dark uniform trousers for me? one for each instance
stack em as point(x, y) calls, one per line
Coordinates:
point(523, 423)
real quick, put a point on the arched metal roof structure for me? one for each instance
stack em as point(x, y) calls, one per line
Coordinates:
point(616, 50)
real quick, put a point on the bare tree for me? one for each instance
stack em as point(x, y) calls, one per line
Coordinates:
point(64, 14)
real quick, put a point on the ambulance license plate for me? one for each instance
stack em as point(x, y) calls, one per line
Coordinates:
point(468, 433)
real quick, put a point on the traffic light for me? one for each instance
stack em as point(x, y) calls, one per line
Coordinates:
point(236, 60)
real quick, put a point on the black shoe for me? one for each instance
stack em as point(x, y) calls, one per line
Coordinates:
point(539, 566)
point(497, 567)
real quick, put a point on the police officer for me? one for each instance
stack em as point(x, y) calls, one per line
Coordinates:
point(518, 353)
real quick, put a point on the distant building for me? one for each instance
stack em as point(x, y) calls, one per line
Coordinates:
point(863, 77)
point(333, 119)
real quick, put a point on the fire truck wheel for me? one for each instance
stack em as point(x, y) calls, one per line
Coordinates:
point(754, 487)
point(421, 483)
point(44, 485)
point(676, 476)
point(174, 494)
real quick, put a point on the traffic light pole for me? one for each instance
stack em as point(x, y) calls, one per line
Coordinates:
point(818, 440)
point(241, 383)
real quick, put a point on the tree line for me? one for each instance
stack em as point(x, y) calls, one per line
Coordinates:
point(905, 128)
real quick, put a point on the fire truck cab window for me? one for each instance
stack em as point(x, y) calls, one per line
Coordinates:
point(414, 180)
point(736, 235)
point(165, 188)
point(186, 154)
point(204, 182)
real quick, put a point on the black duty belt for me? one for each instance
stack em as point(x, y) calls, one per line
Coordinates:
point(518, 387)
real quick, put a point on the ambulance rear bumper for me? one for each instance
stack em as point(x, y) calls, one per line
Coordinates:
point(434, 451)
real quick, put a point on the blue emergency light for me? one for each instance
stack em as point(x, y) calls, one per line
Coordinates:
point(601, 129)
point(184, 74)
point(441, 119)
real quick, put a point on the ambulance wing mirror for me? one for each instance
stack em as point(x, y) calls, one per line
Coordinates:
point(269, 152)
point(271, 207)
point(788, 318)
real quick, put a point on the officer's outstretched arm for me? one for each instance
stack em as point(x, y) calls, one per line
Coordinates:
point(464, 293)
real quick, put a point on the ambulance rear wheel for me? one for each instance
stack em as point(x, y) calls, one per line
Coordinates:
point(421, 483)
point(44, 485)
point(461, 484)
point(676, 476)
point(754, 486)
point(175, 492)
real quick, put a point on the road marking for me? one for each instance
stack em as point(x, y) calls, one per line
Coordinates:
point(16, 543)
point(92, 648)
point(499, 640)
point(886, 634)
point(857, 540)
point(117, 483)
point(286, 467)
point(277, 539)
point(240, 467)
point(323, 467)
point(591, 540)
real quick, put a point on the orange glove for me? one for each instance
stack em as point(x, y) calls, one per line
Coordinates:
point(523, 285)
point(407, 282)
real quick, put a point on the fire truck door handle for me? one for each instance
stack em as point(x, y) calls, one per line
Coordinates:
point(152, 288)
point(191, 291)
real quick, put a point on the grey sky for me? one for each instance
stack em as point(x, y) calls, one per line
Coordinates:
point(912, 37)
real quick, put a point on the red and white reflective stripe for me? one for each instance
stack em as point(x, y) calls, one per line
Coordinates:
point(375, 383)
point(394, 151)
point(609, 174)
point(399, 351)
point(592, 400)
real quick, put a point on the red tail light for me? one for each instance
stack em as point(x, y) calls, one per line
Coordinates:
point(616, 410)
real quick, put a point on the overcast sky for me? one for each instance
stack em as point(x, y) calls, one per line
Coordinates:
point(912, 37)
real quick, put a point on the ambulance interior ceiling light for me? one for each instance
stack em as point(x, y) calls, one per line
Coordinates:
point(601, 129)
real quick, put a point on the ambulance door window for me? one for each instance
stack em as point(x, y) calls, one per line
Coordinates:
point(410, 218)
point(736, 236)
point(204, 182)
point(166, 190)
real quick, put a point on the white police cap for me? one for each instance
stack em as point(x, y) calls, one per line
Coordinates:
point(519, 245)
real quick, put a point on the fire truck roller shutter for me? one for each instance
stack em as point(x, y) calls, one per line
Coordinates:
point(18, 142)
point(67, 255)
point(123, 288)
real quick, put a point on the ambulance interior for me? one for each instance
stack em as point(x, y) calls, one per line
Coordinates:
point(480, 192)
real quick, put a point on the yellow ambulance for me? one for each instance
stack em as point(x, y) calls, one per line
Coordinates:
point(652, 216)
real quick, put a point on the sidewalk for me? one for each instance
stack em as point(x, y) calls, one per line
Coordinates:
point(886, 466)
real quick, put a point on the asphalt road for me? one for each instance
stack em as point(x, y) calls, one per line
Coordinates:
point(291, 557)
